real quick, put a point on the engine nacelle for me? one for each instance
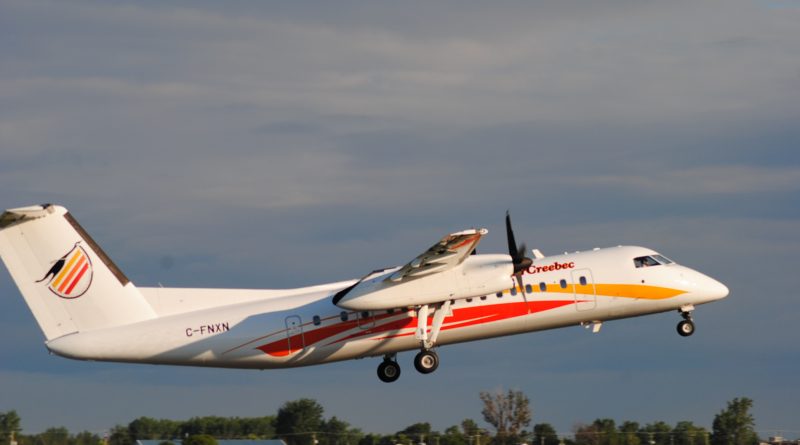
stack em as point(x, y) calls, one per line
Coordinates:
point(478, 275)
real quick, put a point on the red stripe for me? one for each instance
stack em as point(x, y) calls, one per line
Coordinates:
point(77, 278)
point(462, 317)
point(72, 273)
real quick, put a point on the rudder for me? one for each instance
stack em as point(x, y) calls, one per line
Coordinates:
point(67, 280)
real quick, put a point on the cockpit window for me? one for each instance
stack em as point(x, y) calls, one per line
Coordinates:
point(645, 261)
point(662, 259)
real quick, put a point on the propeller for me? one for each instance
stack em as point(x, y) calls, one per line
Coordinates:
point(518, 258)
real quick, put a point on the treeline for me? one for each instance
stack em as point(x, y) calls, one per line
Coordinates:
point(302, 422)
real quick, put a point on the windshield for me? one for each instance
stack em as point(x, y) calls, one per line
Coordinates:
point(651, 260)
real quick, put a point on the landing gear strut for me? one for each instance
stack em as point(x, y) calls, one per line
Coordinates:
point(686, 326)
point(389, 370)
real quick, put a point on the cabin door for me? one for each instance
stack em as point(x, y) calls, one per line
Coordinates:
point(583, 289)
point(294, 333)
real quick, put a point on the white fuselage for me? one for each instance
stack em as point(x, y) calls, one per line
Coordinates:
point(300, 327)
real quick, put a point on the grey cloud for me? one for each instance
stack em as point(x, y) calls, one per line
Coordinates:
point(248, 141)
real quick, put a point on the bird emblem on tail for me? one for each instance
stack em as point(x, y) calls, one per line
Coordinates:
point(71, 275)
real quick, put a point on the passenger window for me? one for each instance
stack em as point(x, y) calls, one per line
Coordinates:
point(563, 284)
point(499, 294)
point(317, 320)
point(543, 287)
point(513, 291)
point(343, 316)
point(364, 315)
point(390, 311)
point(483, 297)
point(528, 288)
point(583, 281)
point(469, 300)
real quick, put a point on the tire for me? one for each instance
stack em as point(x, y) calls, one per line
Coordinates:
point(685, 328)
point(426, 362)
point(388, 371)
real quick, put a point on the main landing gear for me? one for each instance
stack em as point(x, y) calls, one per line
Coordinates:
point(427, 360)
point(389, 370)
point(686, 326)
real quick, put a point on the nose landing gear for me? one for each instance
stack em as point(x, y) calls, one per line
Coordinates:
point(686, 326)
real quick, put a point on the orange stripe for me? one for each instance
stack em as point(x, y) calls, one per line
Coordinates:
point(637, 291)
point(77, 278)
point(642, 291)
point(71, 274)
point(66, 268)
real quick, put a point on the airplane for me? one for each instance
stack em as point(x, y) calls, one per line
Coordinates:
point(88, 309)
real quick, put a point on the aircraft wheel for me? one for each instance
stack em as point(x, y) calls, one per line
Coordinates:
point(426, 362)
point(388, 371)
point(685, 328)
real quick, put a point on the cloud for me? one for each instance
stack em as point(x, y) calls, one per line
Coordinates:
point(287, 144)
point(708, 180)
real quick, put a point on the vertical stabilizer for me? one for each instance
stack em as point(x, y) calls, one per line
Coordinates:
point(67, 280)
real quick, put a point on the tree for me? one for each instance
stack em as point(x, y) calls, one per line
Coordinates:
point(149, 428)
point(296, 418)
point(85, 438)
point(734, 424)
point(586, 434)
point(53, 436)
point(120, 436)
point(628, 433)
point(656, 433)
point(607, 431)
point(9, 424)
point(370, 439)
point(453, 436)
point(544, 434)
point(338, 432)
point(417, 432)
point(200, 439)
point(470, 427)
point(687, 433)
point(508, 413)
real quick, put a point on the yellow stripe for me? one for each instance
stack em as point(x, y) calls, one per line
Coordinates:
point(642, 291)
point(637, 291)
point(65, 270)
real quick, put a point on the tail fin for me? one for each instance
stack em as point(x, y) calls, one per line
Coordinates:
point(67, 281)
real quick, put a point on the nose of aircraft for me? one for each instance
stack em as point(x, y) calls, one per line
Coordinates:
point(715, 289)
point(703, 287)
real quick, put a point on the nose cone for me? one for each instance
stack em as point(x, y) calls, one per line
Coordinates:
point(701, 287)
point(715, 289)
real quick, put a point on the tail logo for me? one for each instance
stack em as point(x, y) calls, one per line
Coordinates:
point(71, 275)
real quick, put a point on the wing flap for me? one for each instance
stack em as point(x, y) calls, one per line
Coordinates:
point(448, 253)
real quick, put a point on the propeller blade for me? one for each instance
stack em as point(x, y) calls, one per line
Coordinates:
point(512, 243)
point(517, 253)
point(518, 276)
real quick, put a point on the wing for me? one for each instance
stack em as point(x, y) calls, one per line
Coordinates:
point(448, 253)
point(430, 277)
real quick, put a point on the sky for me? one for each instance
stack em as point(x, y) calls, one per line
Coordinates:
point(283, 144)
